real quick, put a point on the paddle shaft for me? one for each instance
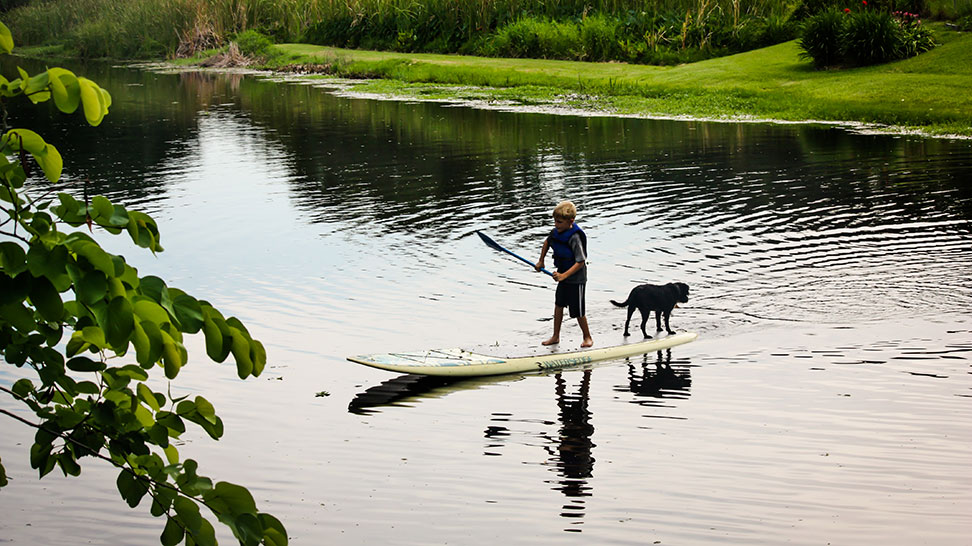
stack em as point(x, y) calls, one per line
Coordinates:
point(493, 244)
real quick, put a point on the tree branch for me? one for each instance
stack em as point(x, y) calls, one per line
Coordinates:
point(98, 455)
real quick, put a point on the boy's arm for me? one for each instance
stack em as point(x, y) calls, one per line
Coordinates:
point(543, 254)
point(573, 269)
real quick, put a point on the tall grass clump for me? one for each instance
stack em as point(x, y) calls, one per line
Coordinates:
point(821, 40)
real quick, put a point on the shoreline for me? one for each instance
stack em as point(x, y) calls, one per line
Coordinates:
point(486, 99)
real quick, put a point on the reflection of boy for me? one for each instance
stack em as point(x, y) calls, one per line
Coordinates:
point(569, 244)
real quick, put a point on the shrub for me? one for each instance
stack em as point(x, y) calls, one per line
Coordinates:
point(822, 38)
point(599, 38)
point(536, 38)
point(253, 43)
point(870, 37)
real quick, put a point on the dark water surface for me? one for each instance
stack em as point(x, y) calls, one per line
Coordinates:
point(826, 401)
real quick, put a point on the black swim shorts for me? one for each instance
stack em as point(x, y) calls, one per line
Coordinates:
point(571, 296)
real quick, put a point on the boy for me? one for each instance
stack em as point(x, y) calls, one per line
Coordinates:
point(569, 245)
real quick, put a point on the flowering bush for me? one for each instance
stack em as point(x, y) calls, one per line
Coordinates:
point(915, 38)
point(863, 36)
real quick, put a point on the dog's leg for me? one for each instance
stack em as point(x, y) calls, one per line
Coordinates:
point(631, 309)
point(658, 318)
point(667, 327)
point(644, 320)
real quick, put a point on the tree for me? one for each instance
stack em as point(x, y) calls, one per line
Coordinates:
point(87, 330)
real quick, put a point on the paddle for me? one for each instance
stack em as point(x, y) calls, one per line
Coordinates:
point(493, 244)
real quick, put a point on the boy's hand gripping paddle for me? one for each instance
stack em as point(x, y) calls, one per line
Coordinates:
point(493, 244)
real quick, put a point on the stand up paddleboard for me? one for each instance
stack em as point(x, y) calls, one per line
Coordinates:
point(460, 362)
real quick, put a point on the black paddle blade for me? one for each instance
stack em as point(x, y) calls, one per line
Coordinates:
point(489, 242)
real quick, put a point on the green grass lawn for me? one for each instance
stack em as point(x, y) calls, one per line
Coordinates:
point(931, 93)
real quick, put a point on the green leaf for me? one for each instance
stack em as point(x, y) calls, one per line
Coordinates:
point(68, 465)
point(146, 395)
point(49, 263)
point(98, 258)
point(65, 89)
point(241, 352)
point(37, 87)
point(75, 345)
point(230, 500)
point(70, 209)
point(46, 155)
point(147, 310)
point(131, 371)
point(94, 100)
point(172, 421)
point(206, 536)
point(121, 322)
point(153, 352)
point(118, 219)
point(143, 416)
point(132, 489)
point(46, 299)
point(206, 409)
point(172, 534)
point(156, 289)
point(15, 290)
point(40, 458)
point(87, 387)
point(19, 316)
point(22, 388)
point(159, 435)
point(6, 39)
point(91, 287)
point(248, 529)
point(171, 356)
point(143, 344)
point(95, 336)
point(218, 339)
point(188, 312)
point(162, 500)
point(85, 364)
point(103, 209)
point(189, 512)
point(13, 259)
point(258, 355)
point(274, 533)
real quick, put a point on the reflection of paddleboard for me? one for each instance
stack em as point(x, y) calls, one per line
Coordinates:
point(460, 362)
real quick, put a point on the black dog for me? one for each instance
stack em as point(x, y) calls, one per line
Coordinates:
point(650, 297)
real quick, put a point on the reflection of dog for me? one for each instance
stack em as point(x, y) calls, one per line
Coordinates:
point(663, 383)
point(650, 297)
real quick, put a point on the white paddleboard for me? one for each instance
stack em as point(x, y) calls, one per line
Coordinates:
point(460, 362)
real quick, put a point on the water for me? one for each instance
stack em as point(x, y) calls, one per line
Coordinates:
point(826, 400)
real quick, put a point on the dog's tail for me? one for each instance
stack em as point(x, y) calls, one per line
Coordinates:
point(622, 304)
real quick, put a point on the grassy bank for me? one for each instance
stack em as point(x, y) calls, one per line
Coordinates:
point(928, 93)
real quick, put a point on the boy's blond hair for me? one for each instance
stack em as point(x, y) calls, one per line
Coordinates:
point(565, 210)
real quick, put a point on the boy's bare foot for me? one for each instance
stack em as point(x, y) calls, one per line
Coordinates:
point(551, 341)
point(588, 342)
